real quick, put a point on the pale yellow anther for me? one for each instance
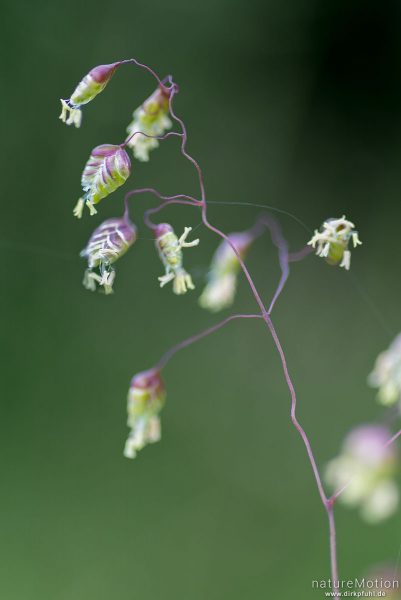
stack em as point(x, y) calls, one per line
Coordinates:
point(355, 240)
point(164, 279)
point(74, 114)
point(89, 280)
point(346, 261)
point(78, 209)
point(64, 110)
point(92, 209)
point(182, 243)
point(107, 281)
point(182, 283)
point(325, 250)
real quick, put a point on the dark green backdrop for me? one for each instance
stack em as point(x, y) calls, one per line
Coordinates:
point(294, 104)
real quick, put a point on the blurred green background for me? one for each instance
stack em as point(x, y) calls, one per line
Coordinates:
point(294, 104)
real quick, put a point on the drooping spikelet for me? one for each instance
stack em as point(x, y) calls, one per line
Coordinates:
point(108, 243)
point(169, 247)
point(88, 88)
point(333, 240)
point(146, 398)
point(151, 119)
point(220, 289)
point(386, 375)
point(365, 471)
point(107, 168)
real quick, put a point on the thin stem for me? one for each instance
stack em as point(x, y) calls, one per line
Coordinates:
point(333, 544)
point(284, 259)
point(152, 137)
point(267, 207)
point(152, 211)
point(184, 143)
point(159, 195)
point(204, 208)
point(177, 199)
point(282, 246)
point(195, 338)
point(328, 503)
point(392, 439)
point(143, 66)
point(294, 419)
point(300, 254)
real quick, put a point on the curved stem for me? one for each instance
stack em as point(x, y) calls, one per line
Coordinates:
point(195, 338)
point(183, 146)
point(177, 199)
point(152, 211)
point(284, 259)
point(152, 137)
point(143, 66)
point(267, 207)
point(328, 503)
point(159, 195)
point(300, 254)
point(282, 246)
point(204, 207)
point(294, 419)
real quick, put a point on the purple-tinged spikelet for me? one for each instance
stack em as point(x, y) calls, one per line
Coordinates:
point(219, 292)
point(91, 85)
point(107, 244)
point(152, 119)
point(107, 169)
point(386, 375)
point(365, 469)
point(146, 398)
point(169, 247)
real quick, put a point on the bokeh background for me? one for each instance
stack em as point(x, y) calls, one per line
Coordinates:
point(293, 104)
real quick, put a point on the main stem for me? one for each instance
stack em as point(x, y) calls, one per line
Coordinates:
point(284, 259)
point(333, 542)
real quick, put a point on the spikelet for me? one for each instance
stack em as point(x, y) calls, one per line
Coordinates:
point(333, 240)
point(365, 470)
point(88, 88)
point(146, 398)
point(107, 169)
point(152, 119)
point(220, 290)
point(169, 247)
point(109, 242)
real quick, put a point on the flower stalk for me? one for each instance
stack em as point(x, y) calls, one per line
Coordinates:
point(107, 169)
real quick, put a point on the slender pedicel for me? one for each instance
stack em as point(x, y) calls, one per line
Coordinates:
point(195, 338)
